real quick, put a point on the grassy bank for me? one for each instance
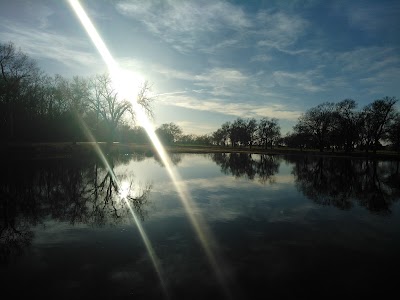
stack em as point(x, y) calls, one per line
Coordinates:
point(66, 149)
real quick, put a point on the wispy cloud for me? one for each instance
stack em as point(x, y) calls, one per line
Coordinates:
point(195, 127)
point(221, 81)
point(280, 30)
point(261, 58)
point(363, 68)
point(41, 13)
point(368, 59)
point(185, 23)
point(300, 80)
point(208, 26)
point(41, 44)
point(220, 76)
point(372, 17)
point(215, 81)
point(244, 110)
point(382, 82)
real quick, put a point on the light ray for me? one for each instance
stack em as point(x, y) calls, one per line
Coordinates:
point(120, 187)
point(200, 228)
point(113, 69)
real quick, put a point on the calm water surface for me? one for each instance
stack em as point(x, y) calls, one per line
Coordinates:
point(284, 227)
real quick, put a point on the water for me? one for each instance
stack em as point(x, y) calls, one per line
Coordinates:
point(286, 227)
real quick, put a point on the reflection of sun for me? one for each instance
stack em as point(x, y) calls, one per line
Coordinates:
point(127, 83)
point(124, 189)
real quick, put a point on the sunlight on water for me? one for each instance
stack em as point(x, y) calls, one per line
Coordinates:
point(125, 189)
point(113, 68)
point(124, 86)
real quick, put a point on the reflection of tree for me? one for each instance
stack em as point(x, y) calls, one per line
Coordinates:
point(267, 167)
point(243, 164)
point(17, 199)
point(175, 158)
point(340, 182)
point(69, 191)
point(107, 203)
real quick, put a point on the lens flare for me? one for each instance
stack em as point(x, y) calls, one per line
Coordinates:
point(125, 188)
point(124, 87)
point(114, 72)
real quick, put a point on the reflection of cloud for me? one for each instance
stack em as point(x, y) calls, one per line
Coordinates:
point(220, 199)
point(214, 184)
point(56, 232)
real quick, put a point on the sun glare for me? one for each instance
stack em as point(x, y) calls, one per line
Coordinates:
point(127, 83)
point(124, 189)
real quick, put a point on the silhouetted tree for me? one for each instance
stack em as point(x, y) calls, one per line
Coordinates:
point(251, 131)
point(17, 72)
point(297, 140)
point(169, 133)
point(268, 132)
point(393, 135)
point(110, 108)
point(218, 137)
point(318, 123)
point(377, 117)
point(238, 133)
point(221, 135)
point(347, 125)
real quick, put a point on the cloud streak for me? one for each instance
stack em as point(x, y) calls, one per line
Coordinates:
point(210, 26)
point(244, 110)
point(41, 44)
point(185, 23)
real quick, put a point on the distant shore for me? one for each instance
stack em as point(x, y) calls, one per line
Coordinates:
point(67, 149)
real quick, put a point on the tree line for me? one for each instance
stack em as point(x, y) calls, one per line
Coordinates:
point(37, 107)
point(334, 126)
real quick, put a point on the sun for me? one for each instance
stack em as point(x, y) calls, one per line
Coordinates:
point(127, 83)
point(124, 189)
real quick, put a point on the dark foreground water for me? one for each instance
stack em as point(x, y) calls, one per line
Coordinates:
point(284, 227)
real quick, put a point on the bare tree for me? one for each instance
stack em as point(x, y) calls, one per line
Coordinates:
point(169, 133)
point(347, 124)
point(318, 122)
point(251, 130)
point(394, 133)
point(16, 69)
point(108, 106)
point(268, 132)
point(377, 117)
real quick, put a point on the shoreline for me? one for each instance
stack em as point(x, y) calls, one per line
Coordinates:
point(83, 149)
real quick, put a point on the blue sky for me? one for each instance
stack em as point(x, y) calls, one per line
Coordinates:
point(213, 61)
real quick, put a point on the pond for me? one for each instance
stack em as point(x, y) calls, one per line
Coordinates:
point(248, 227)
